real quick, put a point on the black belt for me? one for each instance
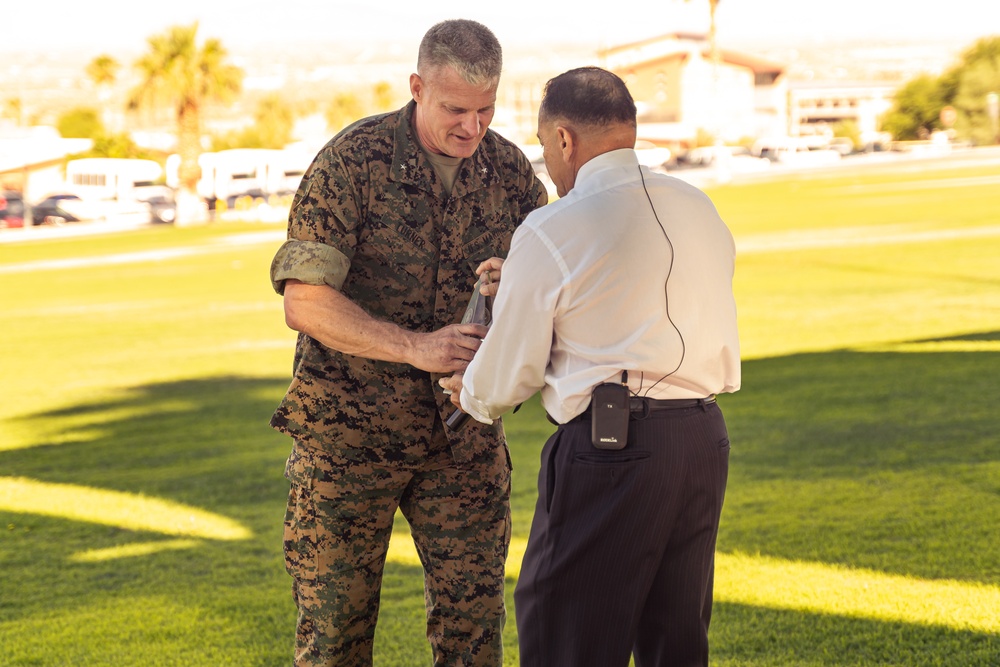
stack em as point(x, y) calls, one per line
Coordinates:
point(640, 407)
point(644, 406)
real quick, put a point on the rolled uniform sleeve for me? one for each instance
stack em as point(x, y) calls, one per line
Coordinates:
point(323, 226)
point(311, 262)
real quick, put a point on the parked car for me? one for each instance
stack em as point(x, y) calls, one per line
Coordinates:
point(842, 145)
point(11, 209)
point(735, 158)
point(55, 210)
point(651, 155)
point(796, 151)
point(161, 203)
point(162, 209)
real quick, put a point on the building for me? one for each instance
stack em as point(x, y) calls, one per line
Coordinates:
point(815, 107)
point(682, 91)
point(33, 160)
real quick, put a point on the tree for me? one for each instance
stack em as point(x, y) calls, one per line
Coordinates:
point(80, 123)
point(344, 110)
point(916, 109)
point(713, 45)
point(179, 72)
point(974, 121)
point(977, 78)
point(117, 145)
point(274, 121)
point(918, 103)
point(103, 70)
point(13, 107)
point(382, 96)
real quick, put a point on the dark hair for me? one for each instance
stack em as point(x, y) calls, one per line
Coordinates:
point(588, 96)
point(470, 47)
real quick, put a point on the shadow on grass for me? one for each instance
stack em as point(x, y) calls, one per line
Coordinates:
point(754, 637)
point(205, 442)
point(881, 460)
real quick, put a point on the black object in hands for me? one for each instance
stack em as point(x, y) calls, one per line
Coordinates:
point(457, 420)
point(475, 313)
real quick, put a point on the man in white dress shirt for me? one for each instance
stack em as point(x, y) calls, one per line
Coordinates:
point(626, 279)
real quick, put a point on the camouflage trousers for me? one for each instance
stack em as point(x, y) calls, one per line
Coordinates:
point(337, 528)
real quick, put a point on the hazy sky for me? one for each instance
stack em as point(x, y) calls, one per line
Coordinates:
point(114, 26)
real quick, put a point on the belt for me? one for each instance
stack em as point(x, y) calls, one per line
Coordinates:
point(641, 407)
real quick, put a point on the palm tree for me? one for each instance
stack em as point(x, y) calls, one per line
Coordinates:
point(713, 47)
point(713, 43)
point(179, 72)
point(14, 108)
point(103, 71)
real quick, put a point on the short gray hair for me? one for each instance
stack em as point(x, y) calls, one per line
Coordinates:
point(467, 46)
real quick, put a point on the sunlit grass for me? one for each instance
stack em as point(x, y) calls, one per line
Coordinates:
point(133, 550)
point(938, 346)
point(775, 583)
point(140, 370)
point(115, 508)
point(763, 581)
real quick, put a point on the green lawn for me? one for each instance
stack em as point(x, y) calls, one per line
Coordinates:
point(141, 490)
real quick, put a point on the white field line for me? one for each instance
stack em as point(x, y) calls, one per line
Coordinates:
point(858, 236)
point(971, 181)
point(752, 244)
point(223, 243)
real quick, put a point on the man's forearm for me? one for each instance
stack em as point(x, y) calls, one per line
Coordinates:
point(331, 318)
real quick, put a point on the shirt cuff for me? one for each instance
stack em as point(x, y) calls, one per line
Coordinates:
point(476, 408)
point(309, 261)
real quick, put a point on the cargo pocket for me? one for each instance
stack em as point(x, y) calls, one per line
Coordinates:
point(300, 534)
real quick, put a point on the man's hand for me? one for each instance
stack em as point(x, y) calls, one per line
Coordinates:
point(337, 322)
point(447, 350)
point(453, 385)
point(493, 266)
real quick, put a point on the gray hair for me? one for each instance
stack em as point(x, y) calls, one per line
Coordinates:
point(467, 46)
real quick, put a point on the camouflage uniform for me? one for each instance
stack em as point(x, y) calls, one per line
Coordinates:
point(373, 220)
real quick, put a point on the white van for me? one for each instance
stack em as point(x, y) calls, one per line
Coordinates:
point(245, 171)
point(106, 178)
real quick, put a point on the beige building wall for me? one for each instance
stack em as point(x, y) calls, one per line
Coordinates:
point(681, 92)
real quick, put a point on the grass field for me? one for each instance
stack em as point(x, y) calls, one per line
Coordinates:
point(141, 491)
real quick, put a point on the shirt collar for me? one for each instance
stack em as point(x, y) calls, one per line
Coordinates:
point(410, 165)
point(622, 158)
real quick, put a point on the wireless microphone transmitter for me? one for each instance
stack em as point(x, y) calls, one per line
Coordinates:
point(609, 412)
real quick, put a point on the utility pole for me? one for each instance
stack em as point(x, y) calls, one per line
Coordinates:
point(993, 111)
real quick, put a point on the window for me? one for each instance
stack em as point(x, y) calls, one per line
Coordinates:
point(89, 179)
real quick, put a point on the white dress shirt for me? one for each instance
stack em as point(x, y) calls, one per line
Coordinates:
point(582, 297)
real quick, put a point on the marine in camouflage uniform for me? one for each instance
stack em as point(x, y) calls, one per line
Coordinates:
point(373, 220)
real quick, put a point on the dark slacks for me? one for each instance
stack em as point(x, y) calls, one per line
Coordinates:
point(620, 557)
